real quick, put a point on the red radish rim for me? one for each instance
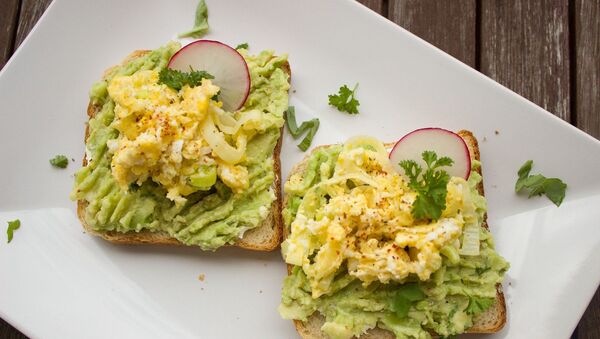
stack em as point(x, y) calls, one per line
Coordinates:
point(202, 41)
point(468, 174)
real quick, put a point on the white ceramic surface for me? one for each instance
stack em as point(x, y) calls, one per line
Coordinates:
point(57, 282)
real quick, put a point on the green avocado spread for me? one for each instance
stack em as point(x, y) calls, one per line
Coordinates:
point(448, 303)
point(211, 217)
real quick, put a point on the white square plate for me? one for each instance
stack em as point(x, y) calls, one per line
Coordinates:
point(57, 282)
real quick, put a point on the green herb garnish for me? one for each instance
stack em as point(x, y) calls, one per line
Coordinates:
point(200, 22)
point(216, 96)
point(59, 161)
point(177, 79)
point(345, 101)
point(431, 187)
point(538, 184)
point(240, 46)
point(479, 305)
point(12, 226)
point(404, 297)
point(311, 126)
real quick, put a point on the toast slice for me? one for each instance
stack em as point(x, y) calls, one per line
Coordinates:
point(265, 237)
point(490, 321)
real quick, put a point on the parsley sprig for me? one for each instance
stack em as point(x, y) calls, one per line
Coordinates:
point(345, 101)
point(431, 186)
point(177, 79)
point(311, 126)
point(538, 184)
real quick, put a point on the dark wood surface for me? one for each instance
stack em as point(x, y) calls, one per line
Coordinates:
point(9, 11)
point(586, 54)
point(546, 50)
point(457, 34)
point(525, 47)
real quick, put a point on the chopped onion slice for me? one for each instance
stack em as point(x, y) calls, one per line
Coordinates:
point(470, 244)
point(225, 121)
point(220, 146)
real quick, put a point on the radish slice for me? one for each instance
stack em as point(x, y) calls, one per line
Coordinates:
point(223, 62)
point(441, 141)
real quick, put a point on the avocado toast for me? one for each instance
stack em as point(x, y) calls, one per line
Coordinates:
point(209, 217)
point(462, 295)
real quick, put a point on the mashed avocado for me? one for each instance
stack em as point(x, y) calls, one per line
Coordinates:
point(211, 217)
point(447, 303)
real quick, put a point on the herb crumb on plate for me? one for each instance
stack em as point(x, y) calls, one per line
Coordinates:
point(12, 226)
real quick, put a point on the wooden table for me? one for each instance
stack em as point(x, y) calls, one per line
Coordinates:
point(546, 50)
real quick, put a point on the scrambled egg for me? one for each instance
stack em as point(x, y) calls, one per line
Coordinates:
point(163, 136)
point(361, 217)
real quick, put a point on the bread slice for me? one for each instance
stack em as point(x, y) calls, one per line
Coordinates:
point(265, 237)
point(490, 321)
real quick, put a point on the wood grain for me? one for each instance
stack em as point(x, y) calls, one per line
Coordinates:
point(589, 325)
point(31, 11)
point(587, 56)
point(9, 332)
point(9, 10)
point(376, 5)
point(587, 110)
point(525, 46)
point(449, 25)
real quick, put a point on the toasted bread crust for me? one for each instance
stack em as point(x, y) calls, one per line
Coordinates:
point(265, 237)
point(490, 321)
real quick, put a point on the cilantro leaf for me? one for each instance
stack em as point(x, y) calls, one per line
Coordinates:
point(478, 305)
point(534, 182)
point(200, 22)
point(59, 161)
point(554, 189)
point(537, 184)
point(344, 101)
point(243, 45)
point(311, 126)
point(431, 188)
point(525, 169)
point(429, 157)
point(404, 298)
point(411, 169)
point(444, 161)
point(523, 174)
point(177, 79)
point(12, 226)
